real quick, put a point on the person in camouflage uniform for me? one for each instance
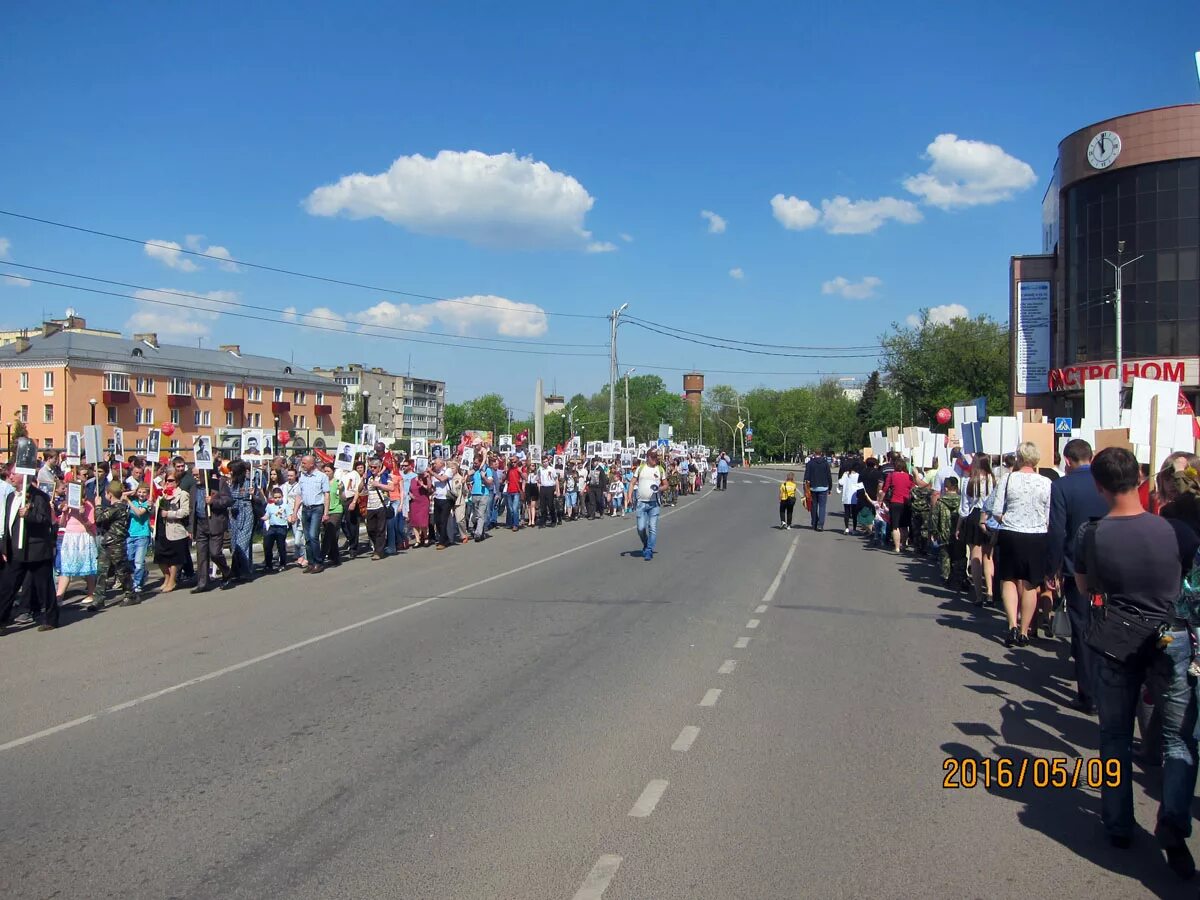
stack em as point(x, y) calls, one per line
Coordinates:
point(920, 506)
point(112, 522)
point(951, 550)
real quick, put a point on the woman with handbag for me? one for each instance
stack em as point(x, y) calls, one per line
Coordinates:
point(897, 488)
point(1020, 502)
point(972, 530)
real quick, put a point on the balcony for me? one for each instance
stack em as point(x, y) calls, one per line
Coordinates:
point(280, 406)
point(115, 398)
point(323, 409)
point(177, 401)
point(233, 404)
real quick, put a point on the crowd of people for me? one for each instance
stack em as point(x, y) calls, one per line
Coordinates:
point(105, 525)
point(1095, 550)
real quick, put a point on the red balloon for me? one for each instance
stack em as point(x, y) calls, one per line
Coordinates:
point(168, 428)
point(284, 437)
point(943, 416)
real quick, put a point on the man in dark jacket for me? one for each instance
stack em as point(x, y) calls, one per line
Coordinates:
point(208, 523)
point(27, 549)
point(818, 479)
point(1074, 501)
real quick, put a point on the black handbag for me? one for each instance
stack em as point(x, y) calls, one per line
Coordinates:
point(1117, 630)
point(389, 510)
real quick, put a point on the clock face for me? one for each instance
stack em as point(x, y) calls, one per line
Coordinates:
point(1104, 149)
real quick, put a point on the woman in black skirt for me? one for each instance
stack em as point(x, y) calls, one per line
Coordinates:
point(171, 544)
point(1021, 504)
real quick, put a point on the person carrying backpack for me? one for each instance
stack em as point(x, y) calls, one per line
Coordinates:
point(646, 488)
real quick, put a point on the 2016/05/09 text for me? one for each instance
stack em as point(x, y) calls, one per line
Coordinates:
point(1038, 772)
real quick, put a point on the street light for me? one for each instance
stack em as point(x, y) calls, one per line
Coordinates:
point(1118, 266)
point(366, 395)
point(92, 403)
point(628, 372)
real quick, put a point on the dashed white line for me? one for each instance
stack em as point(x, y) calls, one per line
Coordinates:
point(753, 623)
point(741, 643)
point(687, 736)
point(597, 880)
point(761, 609)
point(649, 799)
point(710, 697)
point(727, 667)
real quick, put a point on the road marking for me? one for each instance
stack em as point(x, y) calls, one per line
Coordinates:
point(741, 643)
point(316, 639)
point(727, 667)
point(649, 799)
point(710, 697)
point(787, 561)
point(761, 609)
point(683, 743)
point(753, 623)
point(597, 880)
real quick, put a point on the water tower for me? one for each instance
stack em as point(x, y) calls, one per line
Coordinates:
point(693, 388)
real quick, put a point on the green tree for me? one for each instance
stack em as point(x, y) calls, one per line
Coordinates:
point(936, 364)
point(351, 420)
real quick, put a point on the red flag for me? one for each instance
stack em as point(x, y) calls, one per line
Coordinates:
point(523, 437)
point(1185, 409)
point(322, 455)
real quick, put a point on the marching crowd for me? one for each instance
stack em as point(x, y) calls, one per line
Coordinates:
point(106, 524)
point(1098, 550)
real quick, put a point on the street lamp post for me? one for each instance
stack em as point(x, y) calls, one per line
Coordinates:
point(366, 395)
point(627, 374)
point(92, 404)
point(1118, 266)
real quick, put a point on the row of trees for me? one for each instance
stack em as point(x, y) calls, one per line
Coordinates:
point(923, 368)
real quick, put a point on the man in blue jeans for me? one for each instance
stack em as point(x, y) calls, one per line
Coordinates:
point(818, 478)
point(1136, 561)
point(313, 503)
point(644, 488)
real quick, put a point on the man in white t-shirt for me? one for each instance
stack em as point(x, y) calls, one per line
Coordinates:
point(547, 491)
point(644, 489)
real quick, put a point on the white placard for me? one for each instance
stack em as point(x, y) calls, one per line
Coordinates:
point(1184, 439)
point(119, 444)
point(252, 441)
point(369, 437)
point(535, 452)
point(1144, 390)
point(505, 444)
point(75, 495)
point(1033, 337)
point(74, 447)
point(267, 448)
point(439, 451)
point(420, 465)
point(344, 460)
point(1102, 402)
point(93, 436)
point(468, 456)
point(153, 443)
point(419, 446)
point(202, 446)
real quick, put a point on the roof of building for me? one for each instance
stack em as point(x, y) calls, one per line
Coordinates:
point(118, 354)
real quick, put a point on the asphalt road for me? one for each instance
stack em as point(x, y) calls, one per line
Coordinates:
point(753, 714)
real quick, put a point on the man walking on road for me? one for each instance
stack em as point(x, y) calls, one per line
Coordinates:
point(312, 510)
point(723, 471)
point(482, 480)
point(646, 488)
point(818, 479)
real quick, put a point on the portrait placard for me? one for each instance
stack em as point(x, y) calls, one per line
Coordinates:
point(75, 495)
point(92, 436)
point(252, 441)
point(344, 461)
point(74, 447)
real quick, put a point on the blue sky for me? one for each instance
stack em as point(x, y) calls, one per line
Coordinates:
point(502, 143)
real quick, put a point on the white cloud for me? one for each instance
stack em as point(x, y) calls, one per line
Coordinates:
point(627, 238)
point(968, 173)
point(167, 253)
point(289, 313)
point(5, 246)
point(17, 281)
point(841, 215)
point(463, 315)
point(793, 213)
point(501, 199)
point(737, 273)
point(601, 247)
point(716, 224)
point(940, 315)
point(852, 290)
point(326, 318)
point(192, 319)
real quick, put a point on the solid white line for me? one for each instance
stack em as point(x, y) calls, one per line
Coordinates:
point(597, 880)
point(753, 623)
point(683, 743)
point(727, 667)
point(299, 645)
point(787, 561)
point(649, 799)
point(762, 608)
point(741, 643)
point(710, 697)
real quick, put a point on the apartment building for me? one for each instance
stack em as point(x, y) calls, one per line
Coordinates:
point(400, 406)
point(57, 381)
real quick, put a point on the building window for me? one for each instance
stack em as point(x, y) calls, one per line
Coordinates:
point(203, 390)
point(116, 381)
point(143, 415)
point(25, 414)
point(253, 420)
point(180, 387)
point(278, 395)
point(175, 417)
point(228, 420)
point(112, 414)
point(300, 396)
point(320, 398)
point(47, 381)
point(254, 394)
point(24, 381)
point(48, 413)
point(206, 418)
point(145, 386)
point(229, 390)
point(302, 422)
point(47, 443)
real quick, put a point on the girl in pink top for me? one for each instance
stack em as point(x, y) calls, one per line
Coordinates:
point(77, 551)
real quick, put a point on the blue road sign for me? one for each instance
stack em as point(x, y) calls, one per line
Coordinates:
point(663, 442)
point(1062, 425)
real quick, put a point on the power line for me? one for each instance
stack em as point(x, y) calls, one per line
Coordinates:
point(283, 312)
point(295, 274)
point(738, 371)
point(729, 340)
point(679, 337)
point(238, 315)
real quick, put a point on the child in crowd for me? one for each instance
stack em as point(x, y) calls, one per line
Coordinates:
point(138, 542)
point(616, 496)
point(952, 551)
point(112, 522)
point(275, 525)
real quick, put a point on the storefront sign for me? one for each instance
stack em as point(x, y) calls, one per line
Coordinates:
point(1033, 336)
point(1185, 370)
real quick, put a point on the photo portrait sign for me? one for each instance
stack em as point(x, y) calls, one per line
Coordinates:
point(252, 442)
point(344, 461)
point(202, 450)
point(74, 447)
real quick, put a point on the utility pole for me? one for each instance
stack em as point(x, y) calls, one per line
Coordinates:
point(1118, 266)
point(612, 370)
point(627, 374)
